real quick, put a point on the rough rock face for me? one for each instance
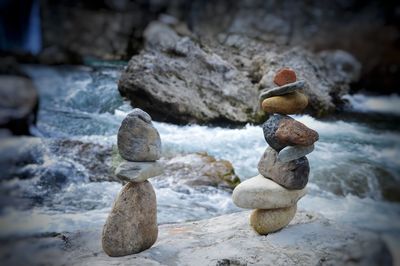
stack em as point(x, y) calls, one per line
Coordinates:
point(179, 81)
point(131, 226)
point(309, 239)
point(18, 104)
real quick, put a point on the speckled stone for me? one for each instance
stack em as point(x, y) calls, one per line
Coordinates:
point(281, 131)
point(131, 227)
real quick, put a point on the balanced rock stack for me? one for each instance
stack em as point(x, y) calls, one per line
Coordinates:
point(131, 227)
point(283, 168)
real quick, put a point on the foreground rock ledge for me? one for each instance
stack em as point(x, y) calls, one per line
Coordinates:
point(225, 240)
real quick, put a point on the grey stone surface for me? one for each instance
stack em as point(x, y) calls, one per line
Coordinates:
point(138, 171)
point(291, 175)
point(262, 193)
point(291, 153)
point(282, 90)
point(138, 139)
point(309, 239)
point(131, 227)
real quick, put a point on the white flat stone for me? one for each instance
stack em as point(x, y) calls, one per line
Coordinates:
point(138, 171)
point(262, 193)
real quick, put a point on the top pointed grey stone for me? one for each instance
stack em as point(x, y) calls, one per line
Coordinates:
point(138, 140)
point(282, 90)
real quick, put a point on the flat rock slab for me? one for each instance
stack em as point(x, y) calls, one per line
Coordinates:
point(282, 90)
point(262, 193)
point(138, 171)
point(309, 239)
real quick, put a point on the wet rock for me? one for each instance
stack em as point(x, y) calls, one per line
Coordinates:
point(138, 171)
point(281, 131)
point(138, 139)
point(262, 193)
point(291, 153)
point(291, 103)
point(269, 221)
point(282, 90)
point(131, 226)
point(18, 104)
point(285, 76)
point(291, 175)
point(198, 170)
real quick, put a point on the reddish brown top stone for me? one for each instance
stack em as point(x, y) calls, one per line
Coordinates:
point(285, 76)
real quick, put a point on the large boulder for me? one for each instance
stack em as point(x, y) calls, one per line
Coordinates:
point(179, 80)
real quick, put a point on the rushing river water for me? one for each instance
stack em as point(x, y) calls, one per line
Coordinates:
point(355, 168)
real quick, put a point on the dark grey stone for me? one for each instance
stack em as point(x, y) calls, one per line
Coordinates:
point(291, 175)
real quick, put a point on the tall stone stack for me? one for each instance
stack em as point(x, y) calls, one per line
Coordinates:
point(283, 168)
point(131, 227)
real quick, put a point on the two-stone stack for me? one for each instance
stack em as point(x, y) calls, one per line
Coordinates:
point(131, 227)
point(283, 168)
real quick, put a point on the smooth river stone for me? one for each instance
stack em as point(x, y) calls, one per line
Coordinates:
point(291, 153)
point(138, 139)
point(262, 193)
point(291, 175)
point(288, 88)
point(291, 103)
point(285, 76)
point(268, 221)
point(131, 227)
point(282, 130)
point(138, 171)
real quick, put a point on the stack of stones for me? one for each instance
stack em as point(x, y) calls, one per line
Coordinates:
point(131, 227)
point(283, 168)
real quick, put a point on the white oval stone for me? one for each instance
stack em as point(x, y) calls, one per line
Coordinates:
point(262, 193)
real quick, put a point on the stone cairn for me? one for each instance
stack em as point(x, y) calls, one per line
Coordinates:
point(131, 227)
point(283, 168)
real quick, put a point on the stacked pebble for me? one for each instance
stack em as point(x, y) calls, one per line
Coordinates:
point(283, 168)
point(131, 226)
